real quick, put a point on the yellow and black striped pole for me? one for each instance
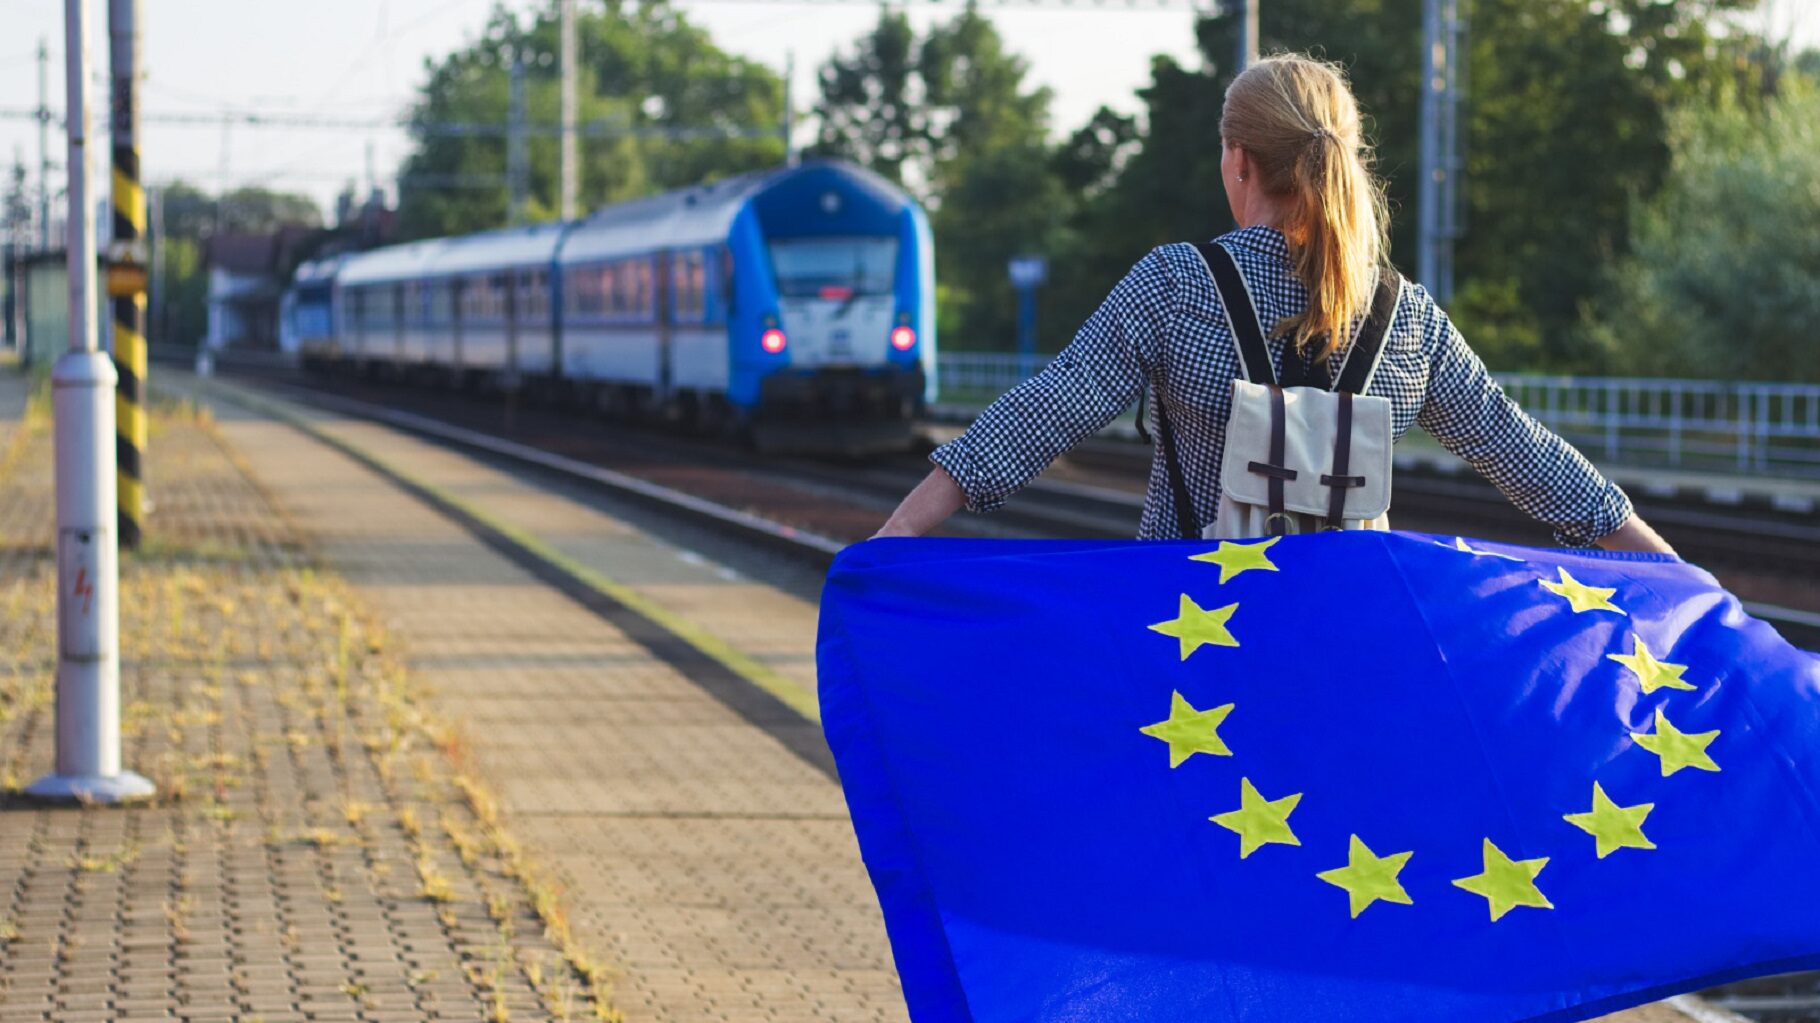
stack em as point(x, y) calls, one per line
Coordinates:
point(126, 277)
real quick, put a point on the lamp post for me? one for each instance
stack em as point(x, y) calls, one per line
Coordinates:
point(88, 572)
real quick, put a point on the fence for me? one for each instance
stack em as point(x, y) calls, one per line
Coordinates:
point(1745, 428)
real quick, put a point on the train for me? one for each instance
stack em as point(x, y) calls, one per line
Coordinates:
point(795, 303)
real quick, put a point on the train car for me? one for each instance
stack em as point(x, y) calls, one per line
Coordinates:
point(306, 312)
point(797, 304)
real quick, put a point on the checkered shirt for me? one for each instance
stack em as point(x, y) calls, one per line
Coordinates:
point(1163, 327)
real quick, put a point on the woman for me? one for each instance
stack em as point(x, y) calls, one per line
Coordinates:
point(1310, 243)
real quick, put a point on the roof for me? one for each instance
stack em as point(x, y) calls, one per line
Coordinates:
point(703, 214)
point(270, 252)
point(698, 215)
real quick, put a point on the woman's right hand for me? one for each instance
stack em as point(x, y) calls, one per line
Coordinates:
point(925, 507)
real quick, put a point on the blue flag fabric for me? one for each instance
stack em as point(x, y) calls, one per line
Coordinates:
point(1349, 776)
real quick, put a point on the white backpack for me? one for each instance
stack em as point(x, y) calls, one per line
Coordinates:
point(1301, 455)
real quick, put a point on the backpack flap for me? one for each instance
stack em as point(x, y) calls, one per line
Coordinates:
point(1311, 419)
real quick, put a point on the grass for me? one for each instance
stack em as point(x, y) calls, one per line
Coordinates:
point(226, 626)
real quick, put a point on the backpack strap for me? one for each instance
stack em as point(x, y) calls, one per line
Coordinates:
point(1241, 313)
point(1178, 485)
point(1362, 357)
point(1274, 471)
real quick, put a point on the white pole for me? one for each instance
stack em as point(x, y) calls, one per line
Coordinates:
point(1248, 34)
point(571, 158)
point(789, 129)
point(88, 572)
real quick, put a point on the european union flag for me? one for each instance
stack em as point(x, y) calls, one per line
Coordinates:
point(1350, 776)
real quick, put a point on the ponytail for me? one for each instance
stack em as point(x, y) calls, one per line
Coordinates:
point(1297, 120)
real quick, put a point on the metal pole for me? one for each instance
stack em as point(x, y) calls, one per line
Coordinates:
point(516, 169)
point(157, 321)
point(88, 593)
point(790, 157)
point(1428, 162)
point(44, 146)
point(1247, 11)
point(1437, 195)
point(1452, 160)
point(571, 156)
point(126, 260)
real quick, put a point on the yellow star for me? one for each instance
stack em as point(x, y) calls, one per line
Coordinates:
point(1197, 626)
point(1234, 558)
point(1616, 827)
point(1189, 731)
point(1259, 821)
point(1651, 673)
point(1507, 883)
point(1460, 544)
point(1368, 877)
point(1677, 749)
point(1580, 595)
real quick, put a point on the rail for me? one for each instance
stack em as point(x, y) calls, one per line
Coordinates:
point(1756, 429)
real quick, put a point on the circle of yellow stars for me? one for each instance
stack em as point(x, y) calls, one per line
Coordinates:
point(1367, 877)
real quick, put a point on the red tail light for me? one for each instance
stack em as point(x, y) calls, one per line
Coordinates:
point(903, 338)
point(772, 341)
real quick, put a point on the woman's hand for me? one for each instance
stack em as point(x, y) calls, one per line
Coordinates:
point(925, 507)
point(1635, 535)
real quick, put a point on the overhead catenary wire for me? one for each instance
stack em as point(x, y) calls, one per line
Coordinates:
point(597, 129)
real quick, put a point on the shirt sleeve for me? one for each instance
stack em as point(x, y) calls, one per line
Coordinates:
point(1090, 382)
point(1540, 473)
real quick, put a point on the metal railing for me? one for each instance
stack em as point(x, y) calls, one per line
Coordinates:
point(1755, 429)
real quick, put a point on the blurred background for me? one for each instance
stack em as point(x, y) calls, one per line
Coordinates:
point(1635, 184)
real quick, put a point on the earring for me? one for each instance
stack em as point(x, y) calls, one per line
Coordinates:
point(1241, 177)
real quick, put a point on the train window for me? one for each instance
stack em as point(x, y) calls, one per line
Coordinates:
point(836, 267)
point(411, 303)
point(689, 287)
point(483, 299)
point(622, 291)
point(582, 291)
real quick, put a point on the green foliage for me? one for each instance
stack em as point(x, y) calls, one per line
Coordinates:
point(184, 317)
point(190, 212)
point(648, 78)
point(1723, 279)
point(1567, 102)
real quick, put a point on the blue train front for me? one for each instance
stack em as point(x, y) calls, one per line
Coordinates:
point(796, 304)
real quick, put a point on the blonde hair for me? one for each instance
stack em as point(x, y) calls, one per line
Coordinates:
point(1296, 119)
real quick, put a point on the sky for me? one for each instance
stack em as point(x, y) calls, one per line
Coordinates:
point(364, 59)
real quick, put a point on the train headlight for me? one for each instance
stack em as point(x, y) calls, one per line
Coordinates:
point(772, 340)
point(903, 338)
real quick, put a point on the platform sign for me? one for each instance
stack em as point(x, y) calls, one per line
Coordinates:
point(1027, 271)
point(84, 566)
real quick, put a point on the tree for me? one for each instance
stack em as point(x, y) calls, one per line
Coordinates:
point(675, 110)
point(1565, 113)
point(190, 212)
point(1723, 277)
point(872, 103)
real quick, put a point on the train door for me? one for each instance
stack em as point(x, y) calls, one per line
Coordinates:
point(457, 286)
point(398, 307)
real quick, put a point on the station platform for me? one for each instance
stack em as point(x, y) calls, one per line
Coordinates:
point(423, 776)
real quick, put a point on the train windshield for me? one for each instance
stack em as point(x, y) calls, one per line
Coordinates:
point(834, 267)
